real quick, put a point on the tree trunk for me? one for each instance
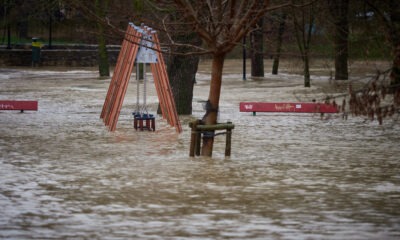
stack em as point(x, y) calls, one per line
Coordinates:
point(182, 72)
point(303, 33)
point(213, 102)
point(395, 72)
point(257, 50)
point(104, 66)
point(395, 38)
point(277, 55)
point(306, 62)
point(339, 11)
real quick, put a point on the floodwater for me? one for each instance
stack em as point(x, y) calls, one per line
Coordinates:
point(290, 176)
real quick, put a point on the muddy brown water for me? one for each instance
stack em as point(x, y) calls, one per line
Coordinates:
point(290, 176)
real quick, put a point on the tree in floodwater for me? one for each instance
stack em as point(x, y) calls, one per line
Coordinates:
point(221, 25)
point(281, 19)
point(338, 10)
point(182, 70)
point(178, 42)
point(104, 65)
point(380, 98)
point(389, 13)
point(304, 24)
point(257, 49)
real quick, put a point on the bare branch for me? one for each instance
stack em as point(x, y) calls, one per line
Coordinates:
point(191, 15)
point(202, 51)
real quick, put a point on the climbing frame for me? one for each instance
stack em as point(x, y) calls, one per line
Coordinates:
point(131, 45)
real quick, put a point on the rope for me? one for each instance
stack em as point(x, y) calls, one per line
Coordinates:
point(144, 89)
point(138, 90)
point(141, 109)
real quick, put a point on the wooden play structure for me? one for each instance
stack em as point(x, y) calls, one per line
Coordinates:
point(289, 107)
point(18, 105)
point(140, 45)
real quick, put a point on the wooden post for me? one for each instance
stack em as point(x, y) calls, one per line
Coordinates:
point(228, 141)
point(153, 124)
point(192, 143)
point(198, 143)
point(198, 129)
point(193, 137)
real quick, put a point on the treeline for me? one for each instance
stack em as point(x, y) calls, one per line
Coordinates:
point(68, 22)
point(54, 21)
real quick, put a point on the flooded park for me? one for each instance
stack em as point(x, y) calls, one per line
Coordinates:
point(63, 175)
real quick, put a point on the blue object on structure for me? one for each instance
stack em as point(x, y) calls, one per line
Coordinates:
point(144, 120)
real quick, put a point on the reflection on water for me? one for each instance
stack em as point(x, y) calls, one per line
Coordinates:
point(63, 175)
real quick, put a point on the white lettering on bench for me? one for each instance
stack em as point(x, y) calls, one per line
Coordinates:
point(249, 106)
point(284, 107)
point(6, 106)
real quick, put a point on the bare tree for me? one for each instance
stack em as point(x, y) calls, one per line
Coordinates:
point(182, 71)
point(303, 21)
point(339, 13)
point(281, 19)
point(380, 98)
point(257, 49)
point(221, 25)
point(389, 13)
point(104, 65)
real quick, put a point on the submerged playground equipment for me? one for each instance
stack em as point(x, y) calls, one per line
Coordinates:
point(140, 45)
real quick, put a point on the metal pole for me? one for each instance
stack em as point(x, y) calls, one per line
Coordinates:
point(144, 88)
point(138, 88)
point(8, 36)
point(244, 58)
point(50, 31)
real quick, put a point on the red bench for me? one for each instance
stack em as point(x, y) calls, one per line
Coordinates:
point(287, 107)
point(18, 105)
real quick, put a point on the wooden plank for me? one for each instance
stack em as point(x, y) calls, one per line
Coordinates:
point(18, 105)
point(126, 74)
point(214, 127)
point(110, 92)
point(160, 93)
point(120, 78)
point(295, 107)
point(170, 102)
